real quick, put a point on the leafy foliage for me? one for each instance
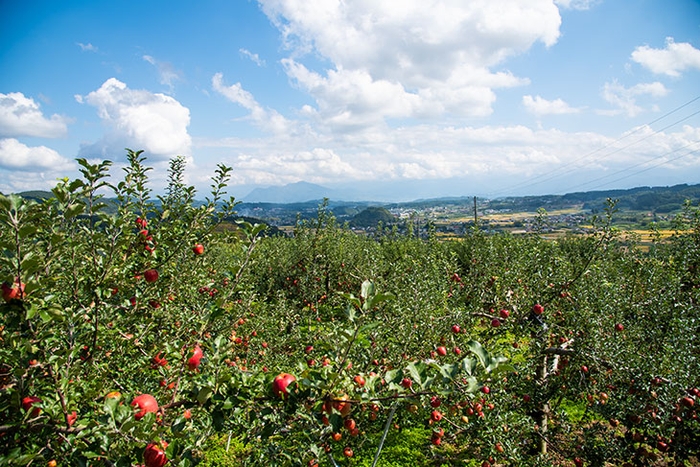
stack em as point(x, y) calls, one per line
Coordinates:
point(492, 348)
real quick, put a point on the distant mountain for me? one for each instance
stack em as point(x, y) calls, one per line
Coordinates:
point(298, 192)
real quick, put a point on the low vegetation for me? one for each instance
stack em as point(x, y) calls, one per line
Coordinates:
point(149, 334)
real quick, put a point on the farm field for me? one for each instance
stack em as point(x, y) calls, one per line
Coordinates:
point(151, 337)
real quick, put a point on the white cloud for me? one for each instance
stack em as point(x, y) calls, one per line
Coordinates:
point(255, 58)
point(17, 156)
point(268, 119)
point(166, 72)
point(539, 106)
point(577, 4)
point(87, 47)
point(625, 99)
point(672, 60)
point(424, 57)
point(21, 116)
point(138, 119)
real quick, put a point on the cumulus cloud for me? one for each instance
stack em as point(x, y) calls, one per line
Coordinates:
point(625, 99)
point(18, 156)
point(539, 106)
point(255, 58)
point(166, 72)
point(138, 119)
point(21, 116)
point(87, 47)
point(267, 119)
point(424, 58)
point(671, 60)
point(577, 4)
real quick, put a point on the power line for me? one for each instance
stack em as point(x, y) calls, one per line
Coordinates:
point(547, 176)
point(640, 164)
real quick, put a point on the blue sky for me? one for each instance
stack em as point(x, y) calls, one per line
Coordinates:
point(397, 100)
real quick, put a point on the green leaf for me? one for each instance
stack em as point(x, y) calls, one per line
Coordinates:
point(204, 394)
point(469, 365)
point(418, 371)
point(32, 311)
point(480, 352)
point(367, 290)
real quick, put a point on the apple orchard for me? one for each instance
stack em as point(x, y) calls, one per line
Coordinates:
point(142, 330)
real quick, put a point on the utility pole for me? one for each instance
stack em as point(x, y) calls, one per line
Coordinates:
point(476, 225)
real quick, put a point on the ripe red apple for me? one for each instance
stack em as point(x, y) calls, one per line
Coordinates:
point(359, 380)
point(435, 402)
point(347, 452)
point(619, 327)
point(71, 418)
point(151, 275)
point(441, 350)
point(308, 349)
point(342, 404)
point(504, 313)
point(538, 309)
point(198, 249)
point(27, 404)
point(12, 291)
point(495, 322)
point(457, 351)
point(485, 389)
point(281, 383)
point(688, 401)
point(584, 368)
point(407, 383)
point(154, 455)
point(349, 424)
point(196, 358)
point(145, 403)
point(456, 328)
point(578, 462)
point(436, 415)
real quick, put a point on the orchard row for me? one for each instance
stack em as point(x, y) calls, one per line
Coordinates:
point(149, 335)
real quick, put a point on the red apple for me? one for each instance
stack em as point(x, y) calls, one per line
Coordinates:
point(196, 358)
point(27, 404)
point(145, 403)
point(71, 418)
point(504, 313)
point(359, 380)
point(688, 401)
point(12, 291)
point(280, 384)
point(485, 389)
point(495, 322)
point(435, 402)
point(538, 309)
point(442, 351)
point(406, 382)
point(198, 249)
point(436, 415)
point(154, 455)
point(151, 275)
point(619, 327)
point(456, 328)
